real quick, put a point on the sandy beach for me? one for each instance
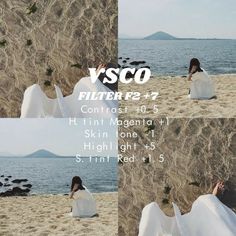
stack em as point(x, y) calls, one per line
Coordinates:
point(48, 215)
point(173, 100)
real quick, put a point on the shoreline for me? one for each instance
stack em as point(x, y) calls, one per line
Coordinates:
point(184, 76)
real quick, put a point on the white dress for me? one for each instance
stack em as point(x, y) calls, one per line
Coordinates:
point(202, 87)
point(208, 217)
point(83, 204)
point(37, 105)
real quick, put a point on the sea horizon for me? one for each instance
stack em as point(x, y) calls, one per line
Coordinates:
point(172, 57)
point(54, 175)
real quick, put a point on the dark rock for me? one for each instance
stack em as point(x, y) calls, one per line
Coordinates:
point(146, 160)
point(167, 189)
point(18, 181)
point(47, 83)
point(165, 201)
point(2, 176)
point(77, 65)
point(27, 185)
point(1, 184)
point(29, 42)
point(150, 127)
point(136, 63)
point(16, 191)
point(195, 183)
point(6, 179)
point(177, 130)
point(127, 58)
point(49, 71)
point(7, 185)
point(148, 67)
point(32, 8)
point(124, 61)
point(3, 43)
point(120, 58)
point(9, 176)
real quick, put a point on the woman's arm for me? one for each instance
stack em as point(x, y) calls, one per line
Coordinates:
point(190, 76)
point(74, 190)
point(194, 69)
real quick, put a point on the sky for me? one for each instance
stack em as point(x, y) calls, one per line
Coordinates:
point(181, 18)
point(25, 136)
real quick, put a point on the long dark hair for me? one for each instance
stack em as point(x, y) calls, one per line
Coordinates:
point(195, 62)
point(77, 180)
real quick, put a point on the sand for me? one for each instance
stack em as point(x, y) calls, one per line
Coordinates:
point(173, 100)
point(48, 215)
point(53, 45)
point(197, 153)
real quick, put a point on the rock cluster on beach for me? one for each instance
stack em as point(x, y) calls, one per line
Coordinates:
point(52, 42)
point(198, 152)
point(13, 187)
point(126, 62)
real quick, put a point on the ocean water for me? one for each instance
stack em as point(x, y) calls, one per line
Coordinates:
point(53, 175)
point(171, 57)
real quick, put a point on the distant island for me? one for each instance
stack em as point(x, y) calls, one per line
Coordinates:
point(160, 35)
point(38, 153)
point(43, 153)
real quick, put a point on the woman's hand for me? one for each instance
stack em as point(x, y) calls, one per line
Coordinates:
point(190, 77)
point(100, 67)
point(219, 188)
point(71, 195)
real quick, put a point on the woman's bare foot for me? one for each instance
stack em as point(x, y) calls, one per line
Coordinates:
point(219, 188)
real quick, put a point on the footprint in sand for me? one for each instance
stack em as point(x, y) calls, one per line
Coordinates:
point(53, 226)
point(30, 227)
point(85, 225)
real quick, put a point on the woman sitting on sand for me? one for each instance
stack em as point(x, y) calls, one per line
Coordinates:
point(202, 86)
point(83, 203)
point(208, 216)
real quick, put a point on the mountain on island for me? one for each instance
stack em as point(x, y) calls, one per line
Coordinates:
point(42, 153)
point(160, 35)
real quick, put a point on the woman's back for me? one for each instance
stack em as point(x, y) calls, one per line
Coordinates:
point(83, 204)
point(202, 86)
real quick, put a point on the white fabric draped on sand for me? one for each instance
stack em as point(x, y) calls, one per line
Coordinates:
point(208, 217)
point(37, 105)
point(202, 87)
point(83, 204)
